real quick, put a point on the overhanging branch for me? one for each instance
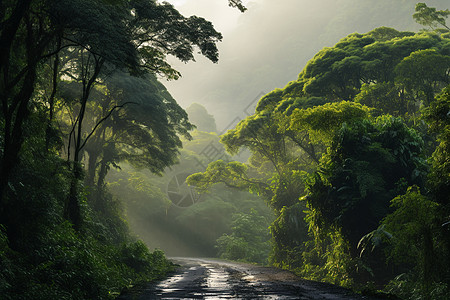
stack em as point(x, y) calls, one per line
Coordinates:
point(104, 119)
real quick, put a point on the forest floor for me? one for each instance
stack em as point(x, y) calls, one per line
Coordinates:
point(198, 278)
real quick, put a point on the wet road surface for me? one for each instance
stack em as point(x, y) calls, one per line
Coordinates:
point(215, 279)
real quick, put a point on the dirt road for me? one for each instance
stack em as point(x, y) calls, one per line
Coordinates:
point(215, 279)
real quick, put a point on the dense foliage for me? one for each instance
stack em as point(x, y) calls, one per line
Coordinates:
point(352, 157)
point(79, 95)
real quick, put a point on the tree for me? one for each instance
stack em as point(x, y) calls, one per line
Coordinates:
point(437, 116)
point(322, 121)
point(248, 240)
point(139, 43)
point(414, 240)
point(367, 165)
point(86, 40)
point(383, 56)
point(286, 138)
point(429, 16)
point(200, 117)
point(385, 97)
point(141, 124)
point(270, 171)
point(238, 4)
point(424, 71)
point(26, 38)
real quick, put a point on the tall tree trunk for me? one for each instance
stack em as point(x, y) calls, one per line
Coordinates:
point(92, 168)
point(9, 30)
point(99, 201)
point(72, 211)
point(7, 36)
point(13, 132)
point(51, 100)
point(13, 140)
point(73, 207)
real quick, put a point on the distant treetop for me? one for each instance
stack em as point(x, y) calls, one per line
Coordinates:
point(429, 16)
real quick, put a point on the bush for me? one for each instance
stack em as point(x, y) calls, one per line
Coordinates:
point(73, 266)
point(248, 241)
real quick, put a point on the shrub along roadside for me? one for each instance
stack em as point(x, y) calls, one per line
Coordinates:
point(68, 265)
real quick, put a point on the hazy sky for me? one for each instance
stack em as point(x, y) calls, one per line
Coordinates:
point(268, 45)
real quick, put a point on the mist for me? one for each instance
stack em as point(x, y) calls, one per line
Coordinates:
point(268, 45)
point(262, 49)
point(116, 181)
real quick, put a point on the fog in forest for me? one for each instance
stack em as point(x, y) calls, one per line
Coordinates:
point(309, 137)
point(268, 45)
point(263, 49)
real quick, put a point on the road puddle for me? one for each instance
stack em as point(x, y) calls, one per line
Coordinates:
point(217, 278)
point(217, 283)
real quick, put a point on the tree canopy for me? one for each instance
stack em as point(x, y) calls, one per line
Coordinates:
point(79, 94)
point(332, 150)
